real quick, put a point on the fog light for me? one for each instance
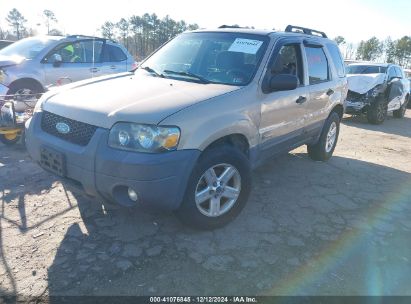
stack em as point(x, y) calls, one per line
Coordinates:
point(132, 195)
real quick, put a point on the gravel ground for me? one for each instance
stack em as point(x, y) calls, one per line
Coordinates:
point(310, 228)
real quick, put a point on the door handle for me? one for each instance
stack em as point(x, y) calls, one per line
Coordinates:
point(94, 70)
point(301, 99)
point(330, 92)
point(113, 67)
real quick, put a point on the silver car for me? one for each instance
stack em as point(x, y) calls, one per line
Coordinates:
point(30, 65)
point(184, 130)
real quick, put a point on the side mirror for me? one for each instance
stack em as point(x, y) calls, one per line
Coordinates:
point(283, 82)
point(56, 59)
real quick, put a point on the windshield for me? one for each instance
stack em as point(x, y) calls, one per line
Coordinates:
point(226, 58)
point(365, 69)
point(27, 48)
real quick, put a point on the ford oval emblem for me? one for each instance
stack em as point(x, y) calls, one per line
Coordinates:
point(62, 128)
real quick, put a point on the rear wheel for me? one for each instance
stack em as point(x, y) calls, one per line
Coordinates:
point(325, 146)
point(377, 112)
point(401, 111)
point(218, 189)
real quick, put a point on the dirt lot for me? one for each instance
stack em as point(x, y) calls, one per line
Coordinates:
point(312, 228)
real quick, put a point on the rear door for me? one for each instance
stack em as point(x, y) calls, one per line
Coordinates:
point(323, 88)
point(282, 112)
point(114, 59)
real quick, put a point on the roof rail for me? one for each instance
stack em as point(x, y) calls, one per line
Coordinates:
point(307, 31)
point(229, 26)
point(83, 36)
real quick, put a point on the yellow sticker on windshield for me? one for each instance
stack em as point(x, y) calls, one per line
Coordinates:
point(247, 46)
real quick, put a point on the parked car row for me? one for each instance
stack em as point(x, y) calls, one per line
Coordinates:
point(184, 130)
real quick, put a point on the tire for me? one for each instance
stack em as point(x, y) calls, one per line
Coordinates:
point(9, 140)
point(324, 148)
point(409, 102)
point(18, 90)
point(401, 111)
point(377, 112)
point(200, 214)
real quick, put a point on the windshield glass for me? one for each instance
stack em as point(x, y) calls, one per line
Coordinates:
point(226, 58)
point(27, 48)
point(365, 69)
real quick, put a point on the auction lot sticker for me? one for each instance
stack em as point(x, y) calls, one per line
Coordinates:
point(247, 46)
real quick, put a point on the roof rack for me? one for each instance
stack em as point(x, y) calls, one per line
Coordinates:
point(307, 31)
point(229, 26)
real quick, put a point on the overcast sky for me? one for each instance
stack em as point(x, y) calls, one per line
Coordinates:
point(355, 20)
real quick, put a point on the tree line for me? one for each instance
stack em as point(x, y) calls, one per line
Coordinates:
point(388, 50)
point(143, 34)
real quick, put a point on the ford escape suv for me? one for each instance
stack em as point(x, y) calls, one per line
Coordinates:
point(183, 131)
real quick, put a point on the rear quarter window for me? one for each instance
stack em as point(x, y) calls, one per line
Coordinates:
point(114, 54)
point(337, 59)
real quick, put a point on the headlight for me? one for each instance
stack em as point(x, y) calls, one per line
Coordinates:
point(375, 91)
point(143, 138)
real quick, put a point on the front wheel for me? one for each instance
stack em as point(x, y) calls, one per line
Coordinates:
point(377, 112)
point(324, 148)
point(218, 189)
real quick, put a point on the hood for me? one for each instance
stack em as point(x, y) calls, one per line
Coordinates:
point(362, 83)
point(129, 97)
point(10, 60)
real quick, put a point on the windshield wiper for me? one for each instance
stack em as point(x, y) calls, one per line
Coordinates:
point(150, 70)
point(202, 79)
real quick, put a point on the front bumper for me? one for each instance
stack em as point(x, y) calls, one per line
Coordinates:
point(159, 179)
point(353, 107)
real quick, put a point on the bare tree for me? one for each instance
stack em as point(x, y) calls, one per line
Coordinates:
point(16, 21)
point(49, 18)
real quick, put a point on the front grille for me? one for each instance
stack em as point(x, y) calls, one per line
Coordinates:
point(355, 97)
point(80, 133)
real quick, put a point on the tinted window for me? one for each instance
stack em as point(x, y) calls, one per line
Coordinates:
point(288, 61)
point(365, 69)
point(114, 54)
point(337, 59)
point(318, 71)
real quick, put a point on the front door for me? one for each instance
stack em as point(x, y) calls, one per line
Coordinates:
point(80, 60)
point(282, 112)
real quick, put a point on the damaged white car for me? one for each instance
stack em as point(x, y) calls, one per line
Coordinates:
point(375, 90)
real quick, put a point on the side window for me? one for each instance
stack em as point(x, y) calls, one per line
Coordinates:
point(92, 50)
point(318, 70)
point(399, 72)
point(79, 52)
point(391, 73)
point(337, 59)
point(288, 61)
point(114, 54)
